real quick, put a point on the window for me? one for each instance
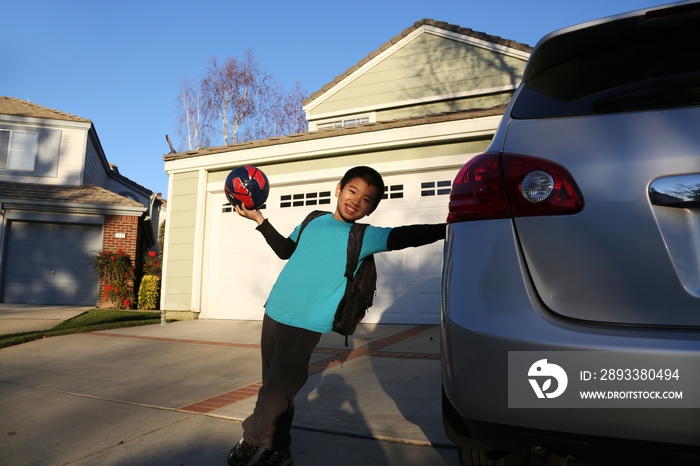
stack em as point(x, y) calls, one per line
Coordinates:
point(305, 199)
point(393, 192)
point(18, 150)
point(225, 208)
point(643, 68)
point(433, 188)
point(343, 123)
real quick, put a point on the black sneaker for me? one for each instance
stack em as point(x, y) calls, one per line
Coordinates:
point(274, 458)
point(241, 453)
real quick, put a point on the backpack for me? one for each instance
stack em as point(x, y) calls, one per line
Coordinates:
point(360, 286)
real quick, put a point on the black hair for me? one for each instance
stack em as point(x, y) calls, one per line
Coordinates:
point(370, 176)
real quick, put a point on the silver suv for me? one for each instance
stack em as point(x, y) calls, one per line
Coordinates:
point(571, 280)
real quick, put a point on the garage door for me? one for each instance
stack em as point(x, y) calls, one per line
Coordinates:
point(240, 268)
point(52, 264)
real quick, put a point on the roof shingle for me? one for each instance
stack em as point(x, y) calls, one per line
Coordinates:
point(86, 194)
point(17, 107)
point(328, 133)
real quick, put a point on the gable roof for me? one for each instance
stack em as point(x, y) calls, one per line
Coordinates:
point(17, 107)
point(424, 22)
point(114, 173)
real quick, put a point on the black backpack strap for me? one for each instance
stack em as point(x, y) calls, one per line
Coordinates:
point(357, 234)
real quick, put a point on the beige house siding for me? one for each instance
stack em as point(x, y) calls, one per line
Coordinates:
point(456, 105)
point(182, 215)
point(427, 68)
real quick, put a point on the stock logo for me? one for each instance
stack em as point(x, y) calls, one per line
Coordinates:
point(543, 372)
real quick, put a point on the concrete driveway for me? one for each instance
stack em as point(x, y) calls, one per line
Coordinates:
point(176, 394)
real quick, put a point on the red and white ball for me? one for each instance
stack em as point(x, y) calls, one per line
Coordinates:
point(247, 185)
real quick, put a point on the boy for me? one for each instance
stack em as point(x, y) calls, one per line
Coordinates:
point(302, 304)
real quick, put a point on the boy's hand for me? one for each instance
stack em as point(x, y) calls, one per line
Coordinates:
point(255, 215)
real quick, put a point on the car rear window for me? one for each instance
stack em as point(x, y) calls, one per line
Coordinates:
point(634, 63)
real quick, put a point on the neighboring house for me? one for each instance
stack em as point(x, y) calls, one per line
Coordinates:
point(416, 110)
point(60, 203)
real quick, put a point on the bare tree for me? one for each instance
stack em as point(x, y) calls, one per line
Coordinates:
point(281, 113)
point(189, 109)
point(294, 109)
point(239, 101)
point(230, 94)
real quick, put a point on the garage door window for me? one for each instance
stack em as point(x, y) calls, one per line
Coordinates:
point(435, 188)
point(393, 192)
point(305, 199)
point(226, 208)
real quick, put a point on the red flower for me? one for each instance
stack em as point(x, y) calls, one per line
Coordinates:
point(152, 253)
point(114, 258)
point(108, 288)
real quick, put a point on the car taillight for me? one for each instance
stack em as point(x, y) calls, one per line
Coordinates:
point(477, 191)
point(494, 185)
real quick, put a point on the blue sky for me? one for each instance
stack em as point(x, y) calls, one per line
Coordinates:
point(119, 63)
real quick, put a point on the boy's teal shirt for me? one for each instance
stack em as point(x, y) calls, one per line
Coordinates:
point(312, 283)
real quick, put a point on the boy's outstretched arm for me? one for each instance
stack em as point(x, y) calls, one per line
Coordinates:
point(415, 235)
point(283, 247)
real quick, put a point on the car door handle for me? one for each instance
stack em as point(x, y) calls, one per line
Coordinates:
point(676, 191)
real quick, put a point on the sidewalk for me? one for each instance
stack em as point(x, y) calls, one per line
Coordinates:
point(18, 318)
point(176, 394)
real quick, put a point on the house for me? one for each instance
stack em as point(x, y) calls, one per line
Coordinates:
point(60, 203)
point(416, 110)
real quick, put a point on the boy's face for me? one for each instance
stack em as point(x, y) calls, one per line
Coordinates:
point(355, 200)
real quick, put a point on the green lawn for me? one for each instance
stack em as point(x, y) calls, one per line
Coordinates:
point(90, 321)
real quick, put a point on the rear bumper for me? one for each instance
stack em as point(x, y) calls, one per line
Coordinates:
point(593, 449)
point(490, 308)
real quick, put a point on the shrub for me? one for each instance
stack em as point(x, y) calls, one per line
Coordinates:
point(117, 274)
point(151, 264)
point(148, 292)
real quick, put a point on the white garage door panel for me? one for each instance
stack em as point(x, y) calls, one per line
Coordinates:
point(408, 287)
point(240, 272)
point(240, 268)
point(52, 264)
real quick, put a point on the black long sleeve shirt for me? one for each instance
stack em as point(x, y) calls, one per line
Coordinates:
point(399, 238)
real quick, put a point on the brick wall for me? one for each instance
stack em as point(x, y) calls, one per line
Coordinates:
point(114, 226)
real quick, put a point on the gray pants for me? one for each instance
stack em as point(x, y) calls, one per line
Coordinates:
point(285, 352)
